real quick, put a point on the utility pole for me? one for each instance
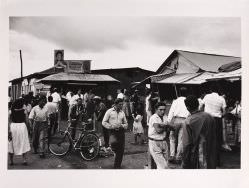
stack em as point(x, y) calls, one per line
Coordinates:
point(21, 64)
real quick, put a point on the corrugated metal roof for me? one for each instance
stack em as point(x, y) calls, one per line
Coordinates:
point(208, 62)
point(73, 77)
point(233, 75)
point(178, 78)
point(200, 79)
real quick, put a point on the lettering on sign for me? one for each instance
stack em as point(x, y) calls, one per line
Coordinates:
point(78, 66)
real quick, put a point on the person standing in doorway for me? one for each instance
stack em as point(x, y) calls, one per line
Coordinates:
point(116, 122)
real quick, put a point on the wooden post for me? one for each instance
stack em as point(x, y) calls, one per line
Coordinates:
point(21, 64)
point(176, 91)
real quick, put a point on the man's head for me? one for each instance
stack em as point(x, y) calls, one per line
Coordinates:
point(79, 101)
point(50, 99)
point(42, 101)
point(118, 103)
point(119, 91)
point(160, 108)
point(191, 103)
point(55, 89)
point(96, 99)
point(79, 92)
point(183, 91)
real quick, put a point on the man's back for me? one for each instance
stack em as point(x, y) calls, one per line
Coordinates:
point(199, 137)
point(52, 108)
point(178, 109)
point(214, 104)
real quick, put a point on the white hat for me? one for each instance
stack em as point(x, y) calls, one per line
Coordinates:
point(96, 97)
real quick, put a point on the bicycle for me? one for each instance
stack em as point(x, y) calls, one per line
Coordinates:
point(88, 144)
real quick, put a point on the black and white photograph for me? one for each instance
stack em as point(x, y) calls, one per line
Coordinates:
point(124, 93)
point(115, 93)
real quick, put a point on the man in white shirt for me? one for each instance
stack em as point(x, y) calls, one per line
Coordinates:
point(158, 127)
point(56, 97)
point(177, 115)
point(53, 115)
point(39, 118)
point(116, 122)
point(215, 105)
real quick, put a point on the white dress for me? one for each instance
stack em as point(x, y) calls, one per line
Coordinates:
point(20, 140)
point(137, 126)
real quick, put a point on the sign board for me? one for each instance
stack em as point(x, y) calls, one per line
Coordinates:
point(58, 57)
point(78, 66)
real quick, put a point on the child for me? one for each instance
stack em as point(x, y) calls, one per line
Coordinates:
point(138, 128)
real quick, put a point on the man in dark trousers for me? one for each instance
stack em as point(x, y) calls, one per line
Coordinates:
point(116, 122)
point(199, 138)
point(77, 114)
point(100, 110)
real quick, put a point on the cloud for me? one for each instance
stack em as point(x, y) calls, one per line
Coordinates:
point(96, 34)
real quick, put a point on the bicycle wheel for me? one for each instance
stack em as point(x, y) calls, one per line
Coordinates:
point(59, 144)
point(89, 146)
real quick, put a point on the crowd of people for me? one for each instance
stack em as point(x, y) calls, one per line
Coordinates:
point(191, 134)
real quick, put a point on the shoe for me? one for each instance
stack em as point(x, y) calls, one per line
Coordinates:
point(11, 163)
point(35, 151)
point(178, 161)
point(226, 147)
point(134, 143)
point(171, 159)
point(25, 163)
point(42, 156)
point(104, 149)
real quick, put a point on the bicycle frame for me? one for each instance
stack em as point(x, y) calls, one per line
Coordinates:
point(74, 143)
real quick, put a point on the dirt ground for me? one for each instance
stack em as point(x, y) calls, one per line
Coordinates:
point(135, 157)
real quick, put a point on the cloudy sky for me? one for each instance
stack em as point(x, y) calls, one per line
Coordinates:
point(117, 42)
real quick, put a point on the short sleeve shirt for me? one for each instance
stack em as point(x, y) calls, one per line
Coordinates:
point(214, 104)
point(152, 131)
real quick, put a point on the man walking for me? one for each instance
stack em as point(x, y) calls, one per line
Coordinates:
point(177, 114)
point(199, 139)
point(39, 118)
point(116, 122)
point(215, 105)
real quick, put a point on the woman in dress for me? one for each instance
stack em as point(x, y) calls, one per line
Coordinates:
point(18, 133)
point(138, 128)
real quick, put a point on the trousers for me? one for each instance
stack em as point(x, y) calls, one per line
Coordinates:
point(117, 141)
point(39, 134)
point(219, 138)
point(175, 137)
point(159, 152)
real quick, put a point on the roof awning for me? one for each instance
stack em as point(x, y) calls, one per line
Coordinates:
point(77, 78)
point(187, 78)
point(231, 76)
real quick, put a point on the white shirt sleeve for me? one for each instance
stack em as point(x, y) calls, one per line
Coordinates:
point(171, 111)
